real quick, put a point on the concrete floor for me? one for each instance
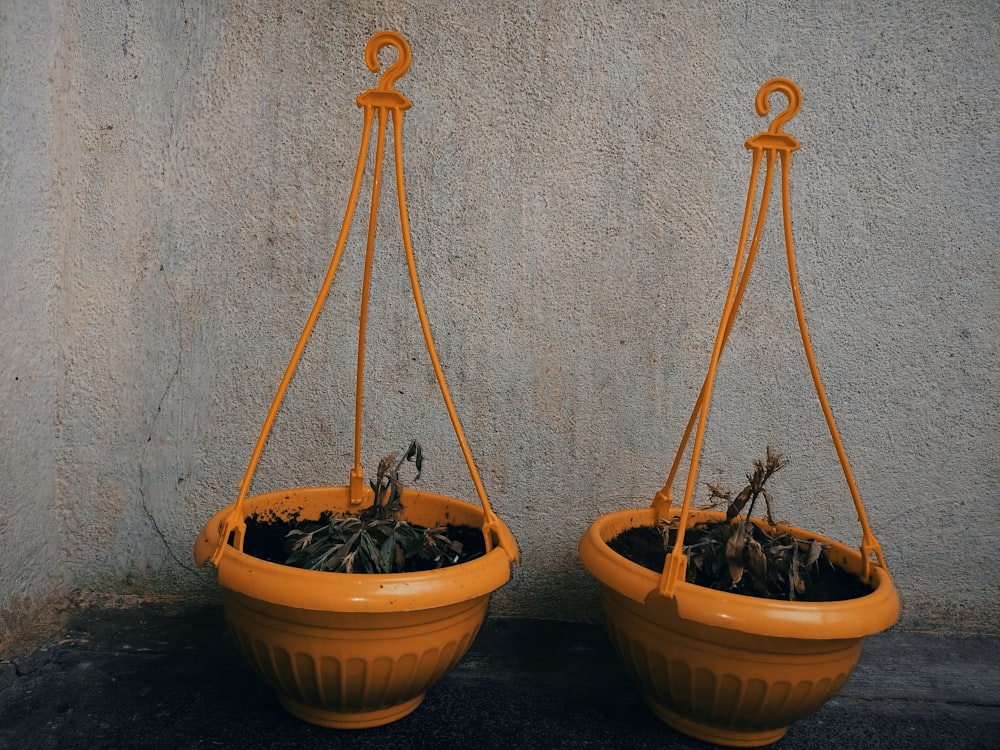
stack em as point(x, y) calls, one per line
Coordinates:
point(168, 676)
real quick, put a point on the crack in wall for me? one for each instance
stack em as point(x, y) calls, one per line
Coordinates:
point(144, 476)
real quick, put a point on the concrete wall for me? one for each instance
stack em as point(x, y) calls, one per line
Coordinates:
point(175, 176)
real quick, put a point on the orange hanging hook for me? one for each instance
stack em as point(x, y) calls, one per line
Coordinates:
point(791, 92)
point(775, 138)
point(385, 95)
point(375, 45)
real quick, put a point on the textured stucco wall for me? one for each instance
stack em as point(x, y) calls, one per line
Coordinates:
point(174, 178)
point(34, 561)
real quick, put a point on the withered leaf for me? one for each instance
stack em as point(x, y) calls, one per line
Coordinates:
point(815, 550)
point(303, 541)
point(797, 584)
point(415, 454)
point(718, 491)
point(738, 502)
point(767, 503)
point(735, 547)
point(348, 562)
point(758, 565)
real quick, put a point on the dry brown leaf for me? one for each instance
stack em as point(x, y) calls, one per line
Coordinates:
point(758, 564)
point(738, 502)
point(718, 491)
point(734, 552)
point(815, 550)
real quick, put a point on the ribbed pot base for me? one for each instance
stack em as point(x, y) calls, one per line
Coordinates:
point(350, 719)
point(352, 671)
point(714, 734)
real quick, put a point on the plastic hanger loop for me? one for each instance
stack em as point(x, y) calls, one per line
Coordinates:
point(763, 102)
point(392, 74)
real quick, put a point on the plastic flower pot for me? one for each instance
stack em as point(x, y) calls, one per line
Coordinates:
point(725, 667)
point(354, 650)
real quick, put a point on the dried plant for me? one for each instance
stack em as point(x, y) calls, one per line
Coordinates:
point(376, 540)
point(744, 556)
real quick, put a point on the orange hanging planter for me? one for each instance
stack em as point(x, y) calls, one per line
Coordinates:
point(354, 650)
point(725, 667)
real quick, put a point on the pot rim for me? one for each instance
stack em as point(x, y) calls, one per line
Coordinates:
point(848, 618)
point(299, 588)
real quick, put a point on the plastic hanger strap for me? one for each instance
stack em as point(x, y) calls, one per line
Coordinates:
point(775, 144)
point(386, 103)
point(236, 521)
point(493, 532)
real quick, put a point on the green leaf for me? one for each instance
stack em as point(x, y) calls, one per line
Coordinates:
point(368, 551)
point(387, 553)
point(342, 558)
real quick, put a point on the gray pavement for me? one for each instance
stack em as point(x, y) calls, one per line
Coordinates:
point(168, 676)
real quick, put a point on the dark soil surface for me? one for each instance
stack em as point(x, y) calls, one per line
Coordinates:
point(645, 546)
point(267, 539)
